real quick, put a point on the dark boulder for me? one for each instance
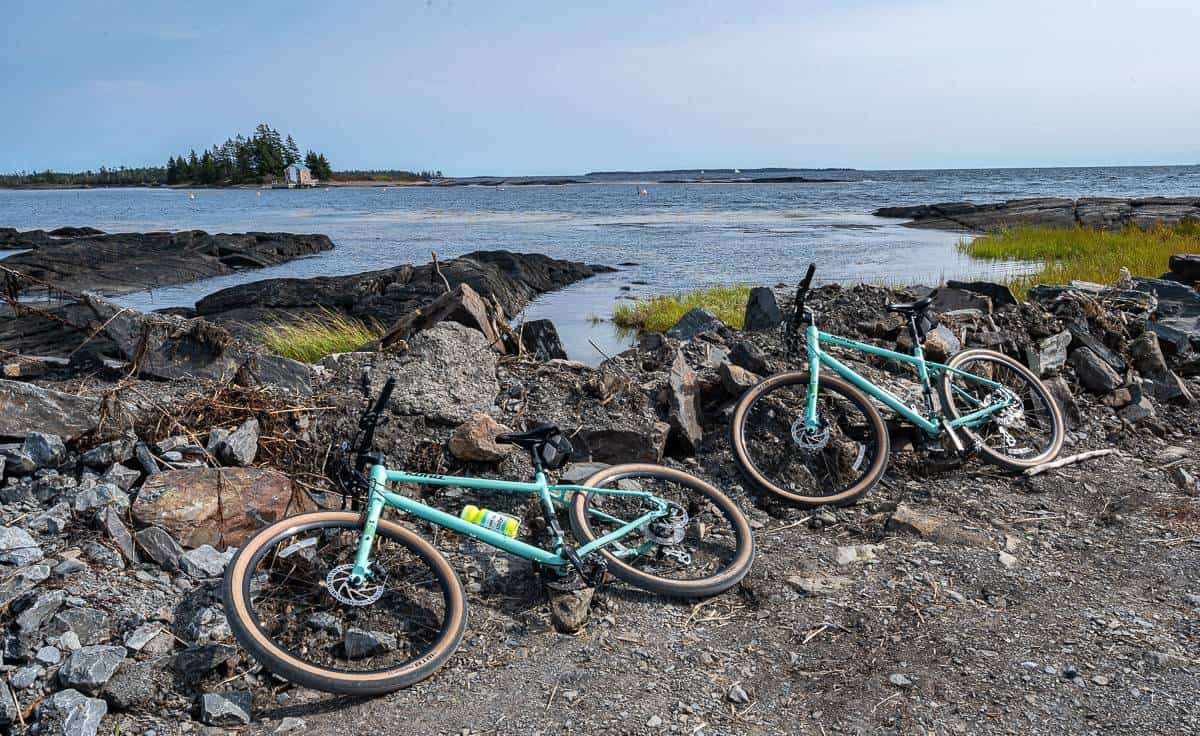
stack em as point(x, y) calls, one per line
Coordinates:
point(1094, 373)
point(1098, 212)
point(541, 340)
point(29, 408)
point(693, 323)
point(762, 310)
point(1186, 266)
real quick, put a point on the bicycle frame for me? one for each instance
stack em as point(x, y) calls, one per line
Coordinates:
point(380, 498)
point(933, 425)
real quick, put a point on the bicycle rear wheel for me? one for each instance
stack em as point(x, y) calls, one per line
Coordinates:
point(836, 465)
point(1028, 433)
point(289, 603)
point(703, 548)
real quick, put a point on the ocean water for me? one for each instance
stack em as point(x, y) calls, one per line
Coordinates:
point(676, 236)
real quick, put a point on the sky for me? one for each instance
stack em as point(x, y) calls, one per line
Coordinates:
point(528, 88)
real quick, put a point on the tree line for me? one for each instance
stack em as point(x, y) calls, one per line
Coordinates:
point(245, 160)
point(120, 176)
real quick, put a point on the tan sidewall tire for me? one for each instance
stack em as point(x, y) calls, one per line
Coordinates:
point(698, 588)
point(874, 473)
point(348, 683)
point(989, 454)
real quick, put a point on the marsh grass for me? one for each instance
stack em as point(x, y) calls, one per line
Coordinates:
point(310, 338)
point(660, 313)
point(1085, 254)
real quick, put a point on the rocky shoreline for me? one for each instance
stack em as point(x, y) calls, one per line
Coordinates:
point(1096, 212)
point(78, 259)
point(129, 471)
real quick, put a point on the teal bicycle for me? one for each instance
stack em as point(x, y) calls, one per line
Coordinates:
point(351, 602)
point(810, 438)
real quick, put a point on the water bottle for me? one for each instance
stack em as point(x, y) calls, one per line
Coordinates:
point(497, 522)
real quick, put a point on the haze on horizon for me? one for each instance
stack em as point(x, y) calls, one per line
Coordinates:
point(476, 88)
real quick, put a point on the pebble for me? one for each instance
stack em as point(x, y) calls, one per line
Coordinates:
point(654, 722)
point(899, 680)
point(737, 694)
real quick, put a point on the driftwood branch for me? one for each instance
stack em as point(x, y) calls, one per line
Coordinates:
point(437, 268)
point(1038, 470)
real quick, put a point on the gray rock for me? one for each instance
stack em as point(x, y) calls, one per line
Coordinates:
point(194, 663)
point(40, 610)
point(225, 709)
point(70, 713)
point(951, 299)
point(900, 680)
point(736, 380)
point(1138, 411)
point(570, 610)
point(290, 724)
point(1095, 374)
point(693, 323)
point(103, 555)
point(145, 459)
point(326, 622)
point(1081, 338)
point(53, 520)
point(8, 706)
point(27, 676)
point(1147, 355)
point(1168, 388)
point(541, 340)
point(104, 455)
point(209, 624)
point(1186, 266)
point(99, 496)
point(762, 310)
point(136, 684)
point(160, 547)
point(120, 476)
point(746, 354)
point(90, 626)
point(577, 473)
point(360, 644)
point(683, 405)
point(1061, 393)
point(110, 519)
point(90, 667)
point(205, 562)
point(17, 461)
point(46, 450)
point(21, 582)
point(240, 446)
point(737, 694)
point(17, 547)
point(141, 636)
point(215, 438)
point(1000, 295)
point(29, 408)
point(447, 375)
point(1048, 356)
point(48, 656)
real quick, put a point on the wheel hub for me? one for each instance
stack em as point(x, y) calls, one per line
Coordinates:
point(807, 438)
point(340, 584)
point(670, 529)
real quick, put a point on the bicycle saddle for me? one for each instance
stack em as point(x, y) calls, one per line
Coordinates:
point(531, 439)
point(917, 306)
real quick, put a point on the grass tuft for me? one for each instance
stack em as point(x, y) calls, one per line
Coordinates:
point(310, 338)
point(1085, 254)
point(660, 313)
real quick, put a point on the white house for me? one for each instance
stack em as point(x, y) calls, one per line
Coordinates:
point(298, 175)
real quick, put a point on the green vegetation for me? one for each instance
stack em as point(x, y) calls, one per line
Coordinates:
point(311, 338)
point(120, 176)
point(384, 175)
point(660, 313)
point(1085, 254)
point(240, 160)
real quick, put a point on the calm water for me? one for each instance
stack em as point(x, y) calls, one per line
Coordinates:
point(679, 235)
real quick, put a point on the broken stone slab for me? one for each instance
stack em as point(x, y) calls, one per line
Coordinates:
point(849, 554)
point(159, 546)
point(541, 340)
point(762, 310)
point(88, 625)
point(216, 506)
point(204, 562)
point(694, 322)
point(1048, 355)
point(29, 408)
point(21, 582)
point(462, 304)
point(570, 610)
point(40, 610)
point(239, 447)
point(89, 668)
point(107, 453)
point(475, 440)
point(1147, 355)
point(359, 643)
point(71, 713)
point(819, 585)
point(1000, 295)
point(951, 299)
point(736, 380)
point(1094, 373)
point(17, 547)
point(1081, 338)
point(99, 496)
point(46, 450)
point(447, 375)
point(137, 684)
point(683, 405)
point(1062, 395)
point(193, 663)
point(230, 708)
point(114, 527)
point(746, 354)
point(934, 527)
point(121, 476)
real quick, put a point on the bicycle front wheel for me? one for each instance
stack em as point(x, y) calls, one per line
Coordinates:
point(834, 465)
point(703, 547)
point(291, 605)
point(1028, 432)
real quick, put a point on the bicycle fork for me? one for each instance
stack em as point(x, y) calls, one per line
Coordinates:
point(366, 540)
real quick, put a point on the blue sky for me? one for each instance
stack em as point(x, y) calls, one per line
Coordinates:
point(562, 87)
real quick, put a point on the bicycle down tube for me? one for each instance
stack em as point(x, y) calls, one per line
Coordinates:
point(817, 356)
point(380, 497)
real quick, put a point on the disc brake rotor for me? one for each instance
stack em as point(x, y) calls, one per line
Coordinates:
point(670, 529)
point(809, 439)
point(339, 584)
